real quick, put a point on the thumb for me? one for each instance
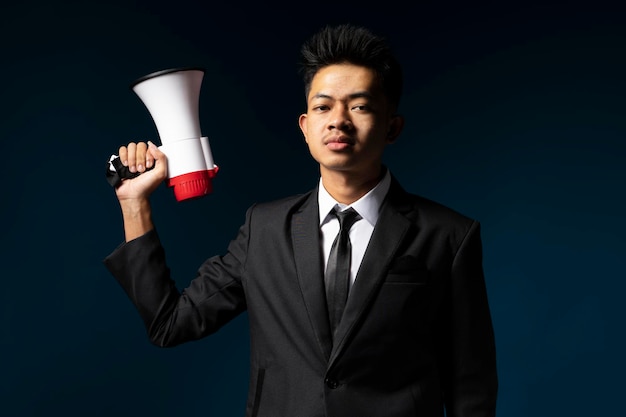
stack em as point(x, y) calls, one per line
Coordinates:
point(160, 159)
point(155, 151)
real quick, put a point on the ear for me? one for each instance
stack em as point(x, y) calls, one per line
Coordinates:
point(396, 124)
point(303, 127)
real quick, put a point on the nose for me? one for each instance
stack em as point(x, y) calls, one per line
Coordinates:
point(340, 119)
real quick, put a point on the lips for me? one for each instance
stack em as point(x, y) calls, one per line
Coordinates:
point(338, 143)
point(339, 140)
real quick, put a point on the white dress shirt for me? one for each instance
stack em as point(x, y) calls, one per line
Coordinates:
point(368, 208)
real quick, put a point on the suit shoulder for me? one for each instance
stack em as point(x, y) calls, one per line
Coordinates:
point(437, 215)
point(436, 208)
point(421, 208)
point(436, 219)
point(280, 207)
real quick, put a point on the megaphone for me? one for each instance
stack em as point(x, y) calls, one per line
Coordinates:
point(172, 99)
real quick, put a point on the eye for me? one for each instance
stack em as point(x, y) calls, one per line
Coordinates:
point(320, 107)
point(361, 108)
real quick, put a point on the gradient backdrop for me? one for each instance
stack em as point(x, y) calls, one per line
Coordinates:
point(516, 117)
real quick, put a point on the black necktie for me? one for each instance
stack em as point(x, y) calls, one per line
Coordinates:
point(338, 268)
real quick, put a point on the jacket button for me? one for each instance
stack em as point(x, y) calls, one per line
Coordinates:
point(331, 383)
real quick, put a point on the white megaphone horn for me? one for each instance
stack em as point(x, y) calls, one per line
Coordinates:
point(172, 98)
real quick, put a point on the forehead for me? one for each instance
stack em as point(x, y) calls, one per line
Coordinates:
point(342, 80)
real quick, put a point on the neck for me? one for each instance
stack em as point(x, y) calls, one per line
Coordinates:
point(347, 188)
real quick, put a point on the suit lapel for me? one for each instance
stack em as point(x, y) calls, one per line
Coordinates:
point(308, 258)
point(390, 230)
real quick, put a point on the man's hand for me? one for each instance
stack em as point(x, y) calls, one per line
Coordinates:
point(140, 157)
point(134, 194)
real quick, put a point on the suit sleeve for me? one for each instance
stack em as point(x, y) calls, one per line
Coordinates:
point(172, 317)
point(471, 385)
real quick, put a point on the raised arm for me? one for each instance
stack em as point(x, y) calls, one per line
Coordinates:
point(134, 194)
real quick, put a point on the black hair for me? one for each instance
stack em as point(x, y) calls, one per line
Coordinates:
point(356, 45)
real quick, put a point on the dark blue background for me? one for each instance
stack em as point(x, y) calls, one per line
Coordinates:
point(516, 117)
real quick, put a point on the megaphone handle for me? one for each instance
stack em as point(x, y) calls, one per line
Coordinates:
point(116, 171)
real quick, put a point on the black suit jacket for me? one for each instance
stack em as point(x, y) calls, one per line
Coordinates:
point(416, 333)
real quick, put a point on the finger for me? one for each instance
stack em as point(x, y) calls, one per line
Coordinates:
point(123, 155)
point(140, 156)
point(132, 157)
point(149, 157)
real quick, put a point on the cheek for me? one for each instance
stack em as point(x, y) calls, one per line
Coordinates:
point(374, 132)
point(312, 129)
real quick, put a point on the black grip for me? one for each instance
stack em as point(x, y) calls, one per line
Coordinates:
point(121, 172)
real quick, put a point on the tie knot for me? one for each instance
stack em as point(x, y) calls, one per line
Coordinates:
point(346, 218)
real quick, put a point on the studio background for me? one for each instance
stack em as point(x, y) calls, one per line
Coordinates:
point(515, 117)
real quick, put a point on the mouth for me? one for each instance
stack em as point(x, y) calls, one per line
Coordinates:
point(338, 143)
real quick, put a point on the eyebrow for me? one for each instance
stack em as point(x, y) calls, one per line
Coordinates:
point(358, 94)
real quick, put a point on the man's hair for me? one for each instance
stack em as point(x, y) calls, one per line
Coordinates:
point(353, 45)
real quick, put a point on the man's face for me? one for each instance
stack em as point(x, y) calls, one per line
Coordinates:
point(348, 121)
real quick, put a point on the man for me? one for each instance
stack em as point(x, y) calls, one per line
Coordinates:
point(415, 333)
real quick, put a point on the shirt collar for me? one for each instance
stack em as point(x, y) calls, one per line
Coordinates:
point(367, 206)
